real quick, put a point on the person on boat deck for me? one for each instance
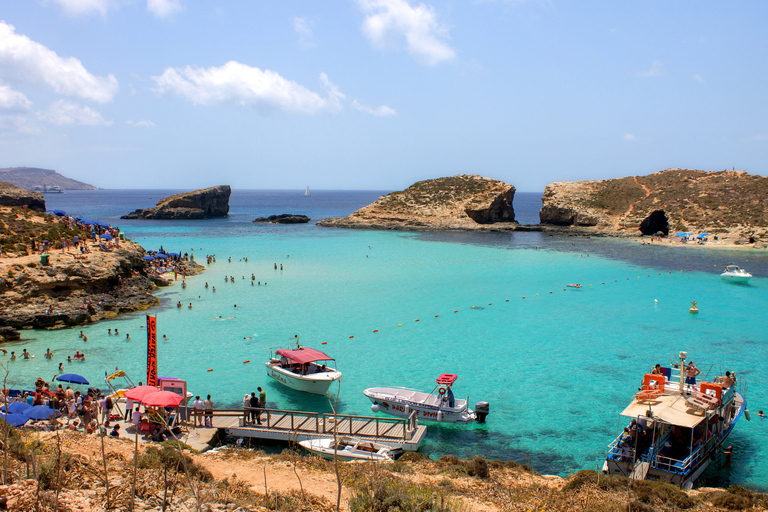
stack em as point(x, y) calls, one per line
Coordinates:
point(657, 370)
point(449, 396)
point(690, 374)
point(726, 381)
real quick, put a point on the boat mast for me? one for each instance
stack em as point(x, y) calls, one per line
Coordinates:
point(683, 355)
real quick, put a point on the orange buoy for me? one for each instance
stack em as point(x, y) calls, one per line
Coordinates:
point(247, 361)
point(351, 336)
point(210, 369)
point(325, 343)
point(455, 310)
point(417, 319)
point(506, 300)
point(375, 330)
point(437, 316)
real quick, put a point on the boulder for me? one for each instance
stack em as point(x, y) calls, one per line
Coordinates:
point(11, 195)
point(199, 204)
point(285, 218)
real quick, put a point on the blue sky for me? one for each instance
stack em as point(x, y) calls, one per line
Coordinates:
point(378, 94)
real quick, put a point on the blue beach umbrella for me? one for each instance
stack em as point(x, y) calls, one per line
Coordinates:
point(41, 412)
point(702, 235)
point(161, 255)
point(148, 257)
point(173, 255)
point(13, 419)
point(59, 213)
point(16, 407)
point(107, 236)
point(73, 378)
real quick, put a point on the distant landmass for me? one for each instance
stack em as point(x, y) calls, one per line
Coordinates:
point(31, 177)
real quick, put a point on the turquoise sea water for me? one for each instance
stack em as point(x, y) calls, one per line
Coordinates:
point(557, 367)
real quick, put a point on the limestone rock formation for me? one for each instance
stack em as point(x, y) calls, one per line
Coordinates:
point(199, 204)
point(727, 203)
point(11, 195)
point(464, 202)
point(284, 218)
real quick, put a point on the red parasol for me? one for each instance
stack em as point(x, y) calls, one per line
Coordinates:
point(140, 392)
point(162, 399)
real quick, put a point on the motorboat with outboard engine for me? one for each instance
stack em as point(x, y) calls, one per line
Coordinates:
point(735, 274)
point(303, 369)
point(676, 426)
point(438, 405)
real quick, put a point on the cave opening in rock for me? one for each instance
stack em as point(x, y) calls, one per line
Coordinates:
point(656, 222)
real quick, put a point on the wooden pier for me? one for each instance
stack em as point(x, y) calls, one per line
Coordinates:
point(278, 424)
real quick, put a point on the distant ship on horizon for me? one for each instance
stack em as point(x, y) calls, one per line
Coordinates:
point(48, 189)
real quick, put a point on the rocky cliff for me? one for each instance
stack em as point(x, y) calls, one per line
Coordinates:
point(464, 202)
point(29, 177)
point(11, 195)
point(728, 203)
point(29, 289)
point(200, 204)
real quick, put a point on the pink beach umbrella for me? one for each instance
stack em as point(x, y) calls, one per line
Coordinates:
point(139, 392)
point(162, 399)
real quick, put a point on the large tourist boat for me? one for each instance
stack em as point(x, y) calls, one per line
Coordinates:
point(303, 369)
point(735, 274)
point(438, 405)
point(349, 448)
point(48, 189)
point(676, 428)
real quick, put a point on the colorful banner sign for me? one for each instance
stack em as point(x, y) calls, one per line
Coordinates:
point(151, 351)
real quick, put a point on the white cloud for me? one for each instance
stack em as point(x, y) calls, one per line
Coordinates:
point(303, 27)
point(247, 86)
point(382, 111)
point(13, 100)
point(78, 7)
point(24, 60)
point(628, 137)
point(424, 35)
point(141, 123)
point(64, 112)
point(699, 78)
point(164, 8)
point(657, 69)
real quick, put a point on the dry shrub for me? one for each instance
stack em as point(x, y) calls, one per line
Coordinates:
point(389, 494)
point(605, 482)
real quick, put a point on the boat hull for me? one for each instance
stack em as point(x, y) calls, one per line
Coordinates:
point(402, 402)
point(735, 278)
point(349, 450)
point(316, 383)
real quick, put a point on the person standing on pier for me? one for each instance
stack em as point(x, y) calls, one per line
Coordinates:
point(255, 413)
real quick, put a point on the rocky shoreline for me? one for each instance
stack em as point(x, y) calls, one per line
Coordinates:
point(74, 289)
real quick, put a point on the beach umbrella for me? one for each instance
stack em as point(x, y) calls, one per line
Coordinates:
point(72, 377)
point(41, 412)
point(161, 255)
point(107, 236)
point(162, 399)
point(16, 407)
point(101, 224)
point(139, 392)
point(59, 213)
point(148, 257)
point(702, 235)
point(173, 255)
point(14, 419)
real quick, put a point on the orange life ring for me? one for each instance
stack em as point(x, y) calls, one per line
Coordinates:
point(441, 391)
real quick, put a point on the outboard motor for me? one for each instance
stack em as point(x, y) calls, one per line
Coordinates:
point(482, 409)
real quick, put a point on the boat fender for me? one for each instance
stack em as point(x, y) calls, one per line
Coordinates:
point(747, 415)
point(247, 361)
point(439, 416)
point(728, 455)
point(441, 391)
point(375, 407)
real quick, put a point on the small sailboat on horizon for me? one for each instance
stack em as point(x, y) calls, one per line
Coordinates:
point(307, 192)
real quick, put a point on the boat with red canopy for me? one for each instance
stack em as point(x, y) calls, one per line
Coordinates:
point(303, 369)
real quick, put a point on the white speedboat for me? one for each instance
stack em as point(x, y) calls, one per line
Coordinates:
point(303, 369)
point(675, 429)
point(735, 274)
point(349, 448)
point(439, 405)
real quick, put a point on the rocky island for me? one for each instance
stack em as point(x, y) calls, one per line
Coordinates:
point(284, 218)
point(199, 204)
point(726, 203)
point(464, 202)
point(31, 177)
